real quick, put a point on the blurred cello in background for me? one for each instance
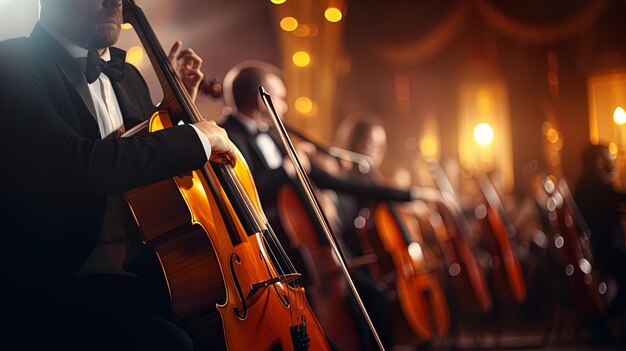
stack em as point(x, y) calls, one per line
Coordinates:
point(467, 278)
point(328, 287)
point(216, 251)
point(385, 233)
point(497, 232)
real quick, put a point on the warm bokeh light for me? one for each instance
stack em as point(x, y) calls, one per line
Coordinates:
point(289, 24)
point(483, 134)
point(619, 115)
point(306, 31)
point(429, 146)
point(127, 26)
point(303, 104)
point(333, 14)
point(134, 56)
point(301, 58)
point(552, 135)
point(278, 2)
point(613, 149)
point(415, 250)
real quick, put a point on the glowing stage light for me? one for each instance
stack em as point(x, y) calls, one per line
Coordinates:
point(135, 55)
point(333, 14)
point(289, 24)
point(278, 2)
point(483, 134)
point(429, 146)
point(613, 149)
point(552, 135)
point(619, 115)
point(303, 104)
point(301, 58)
point(127, 26)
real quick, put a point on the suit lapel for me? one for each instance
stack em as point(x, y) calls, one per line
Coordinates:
point(251, 141)
point(66, 64)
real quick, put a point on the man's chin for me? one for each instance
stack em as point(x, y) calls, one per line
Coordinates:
point(106, 35)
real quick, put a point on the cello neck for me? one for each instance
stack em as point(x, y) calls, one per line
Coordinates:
point(176, 99)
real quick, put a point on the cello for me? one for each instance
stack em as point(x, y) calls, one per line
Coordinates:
point(401, 263)
point(465, 274)
point(497, 233)
point(218, 255)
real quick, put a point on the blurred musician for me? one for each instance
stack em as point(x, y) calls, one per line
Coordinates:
point(600, 204)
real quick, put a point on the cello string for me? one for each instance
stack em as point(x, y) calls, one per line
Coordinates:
point(258, 216)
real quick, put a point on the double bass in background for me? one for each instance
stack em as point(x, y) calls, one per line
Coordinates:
point(217, 252)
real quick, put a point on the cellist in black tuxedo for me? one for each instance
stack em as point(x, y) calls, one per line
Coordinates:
point(65, 227)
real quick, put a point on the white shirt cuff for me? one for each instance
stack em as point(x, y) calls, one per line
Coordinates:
point(206, 144)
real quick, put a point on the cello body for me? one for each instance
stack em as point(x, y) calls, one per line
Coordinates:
point(208, 277)
point(402, 264)
point(496, 236)
point(466, 277)
point(505, 267)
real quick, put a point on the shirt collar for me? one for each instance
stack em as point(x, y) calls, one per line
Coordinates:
point(75, 50)
point(251, 125)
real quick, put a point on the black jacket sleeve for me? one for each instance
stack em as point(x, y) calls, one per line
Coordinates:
point(356, 187)
point(37, 137)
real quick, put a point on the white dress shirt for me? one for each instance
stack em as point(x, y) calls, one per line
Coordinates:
point(270, 152)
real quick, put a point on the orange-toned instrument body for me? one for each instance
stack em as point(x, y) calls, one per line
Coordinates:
point(466, 277)
point(505, 267)
point(420, 295)
point(207, 275)
point(328, 286)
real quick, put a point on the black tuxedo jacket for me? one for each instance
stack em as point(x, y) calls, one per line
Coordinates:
point(268, 180)
point(57, 172)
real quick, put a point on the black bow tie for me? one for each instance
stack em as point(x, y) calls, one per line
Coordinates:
point(114, 69)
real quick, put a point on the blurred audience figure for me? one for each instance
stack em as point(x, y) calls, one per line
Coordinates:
point(600, 203)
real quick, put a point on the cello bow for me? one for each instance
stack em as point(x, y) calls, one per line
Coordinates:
point(305, 182)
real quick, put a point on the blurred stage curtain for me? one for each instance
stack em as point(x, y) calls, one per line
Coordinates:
point(534, 22)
